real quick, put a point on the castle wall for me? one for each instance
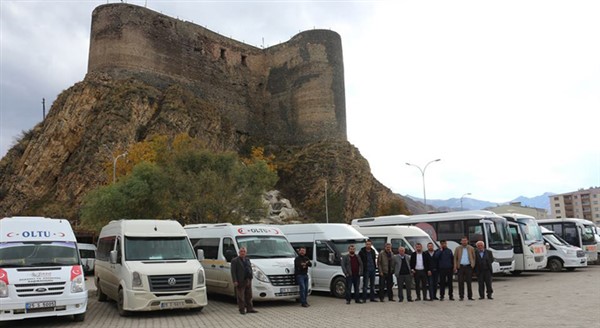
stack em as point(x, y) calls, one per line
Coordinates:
point(290, 93)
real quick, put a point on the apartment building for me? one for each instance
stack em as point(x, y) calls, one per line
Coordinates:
point(582, 204)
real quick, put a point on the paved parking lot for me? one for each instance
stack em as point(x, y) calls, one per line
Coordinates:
point(566, 299)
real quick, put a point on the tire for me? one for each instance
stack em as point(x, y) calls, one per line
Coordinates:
point(570, 269)
point(120, 303)
point(516, 272)
point(338, 287)
point(554, 265)
point(79, 317)
point(99, 294)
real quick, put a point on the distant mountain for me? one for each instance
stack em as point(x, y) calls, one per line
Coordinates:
point(453, 204)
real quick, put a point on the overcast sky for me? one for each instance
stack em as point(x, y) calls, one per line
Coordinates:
point(505, 93)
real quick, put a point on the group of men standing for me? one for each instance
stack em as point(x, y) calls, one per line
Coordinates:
point(427, 269)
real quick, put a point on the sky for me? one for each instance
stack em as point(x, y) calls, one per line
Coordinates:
point(505, 93)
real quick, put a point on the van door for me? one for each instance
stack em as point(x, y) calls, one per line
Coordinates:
point(517, 248)
point(228, 253)
point(323, 270)
point(115, 272)
point(211, 262)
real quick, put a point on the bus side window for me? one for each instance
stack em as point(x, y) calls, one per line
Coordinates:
point(475, 232)
point(571, 235)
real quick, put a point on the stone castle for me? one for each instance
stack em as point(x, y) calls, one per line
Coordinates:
point(291, 93)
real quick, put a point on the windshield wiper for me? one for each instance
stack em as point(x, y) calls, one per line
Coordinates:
point(47, 264)
point(12, 265)
point(281, 256)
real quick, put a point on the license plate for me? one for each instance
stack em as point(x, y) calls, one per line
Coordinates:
point(289, 290)
point(39, 305)
point(172, 305)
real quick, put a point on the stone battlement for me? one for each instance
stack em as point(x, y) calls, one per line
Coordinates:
point(291, 93)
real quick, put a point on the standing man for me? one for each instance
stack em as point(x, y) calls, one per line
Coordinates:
point(367, 256)
point(445, 270)
point(241, 274)
point(386, 270)
point(301, 265)
point(464, 262)
point(432, 280)
point(483, 268)
point(352, 267)
point(420, 263)
point(402, 272)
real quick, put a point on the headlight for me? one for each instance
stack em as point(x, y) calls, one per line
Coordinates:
point(201, 277)
point(3, 289)
point(77, 284)
point(259, 275)
point(136, 280)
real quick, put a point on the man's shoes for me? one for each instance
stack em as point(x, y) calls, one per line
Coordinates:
point(471, 299)
point(431, 300)
point(418, 299)
point(392, 300)
point(409, 300)
point(435, 298)
point(359, 302)
point(482, 298)
point(242, 312)
point(347, 302)
point(451, 298)
point(442, 298)
point(374, 300)
point(400, 301)
point(461, 299)
point(304, 305)
point(490, 297)
point(252, 311)
point(381, 300)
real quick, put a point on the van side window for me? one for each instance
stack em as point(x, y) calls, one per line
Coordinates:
point(105, 245)
point(398, 242)
point(378, 243)
point(323, 252)
point(229, 249)
point(308, 246)
point(209, 245)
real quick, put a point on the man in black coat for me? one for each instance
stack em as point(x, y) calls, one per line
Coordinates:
point(483, 268)
point(368, 258)
point(420, 264)
point(241, 275)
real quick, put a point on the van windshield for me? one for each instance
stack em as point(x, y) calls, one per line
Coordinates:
point(35, 254)
point(587, 235)
point(158, 248)
point(531, 230)
point(341, 246)
point(265, 247)
point(424, 240)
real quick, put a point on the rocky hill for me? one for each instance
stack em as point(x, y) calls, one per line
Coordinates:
point(53, 166)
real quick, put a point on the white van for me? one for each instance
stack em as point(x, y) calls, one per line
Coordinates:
point(325, 244)
point(270, 252)
point(405, 236)
point(561, 254)
point(148, 265)
point(87, 252)
point(40, 270)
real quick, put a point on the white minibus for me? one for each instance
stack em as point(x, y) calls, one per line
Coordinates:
point(87, 252)
point(325, 244)
point(577, 232)
point(528, 243)
point(475, 225)
point(270, 253)
point(561, 254)
point(40, 270)
point(148, 265)
point(405, 236)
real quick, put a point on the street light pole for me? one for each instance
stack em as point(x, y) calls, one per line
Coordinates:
point(423, 176)
point(115, 166)
point(461, 198)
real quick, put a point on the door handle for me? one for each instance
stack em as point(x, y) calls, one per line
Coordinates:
point(221, 266)
point(213, 266)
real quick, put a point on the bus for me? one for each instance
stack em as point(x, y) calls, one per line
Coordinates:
point(475, 225)
point(530, 252)
point(577, 232)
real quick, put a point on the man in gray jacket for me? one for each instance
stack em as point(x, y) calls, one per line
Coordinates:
point(352, 267)
point(402, 272)
point(241, 274)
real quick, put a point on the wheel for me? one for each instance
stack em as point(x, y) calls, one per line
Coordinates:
point(79, 317)
point(570, 269)
point(99, 294)
point(516, 272)
point(338, 287)
point(554, 265)
point(120, 303)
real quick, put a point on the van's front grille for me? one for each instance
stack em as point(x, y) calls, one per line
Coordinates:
point(170, 283)
point(40, 289)
point(283, 280)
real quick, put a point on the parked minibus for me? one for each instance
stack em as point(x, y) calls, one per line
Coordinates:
point(577, 232)
point(148, 265)
point(561, 254)
point(40, 270)
point(528, 244)
point(405, 236)
point(268, 249)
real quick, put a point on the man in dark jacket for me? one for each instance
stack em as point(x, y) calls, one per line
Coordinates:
point(241, 274)
point(445, 270)
point(367, 256)
point(301, 265)
point(352, 267)
point(432, 280)
point(483, 268)
point(420, 264)
point(386, 272)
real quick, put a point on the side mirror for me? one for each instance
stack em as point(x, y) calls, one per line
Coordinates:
point(113, 257)
point(200, 255)
point(331, 258)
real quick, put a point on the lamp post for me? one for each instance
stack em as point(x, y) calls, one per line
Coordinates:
point(461, 198)
point(115, 166)
point(423, 176)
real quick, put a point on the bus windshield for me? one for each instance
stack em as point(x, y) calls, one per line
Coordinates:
point(158, 248)
point(264, 247)
point(34, 254)
point(587, 235)
point(341, 246)
point(531, 230)
point(499, 236)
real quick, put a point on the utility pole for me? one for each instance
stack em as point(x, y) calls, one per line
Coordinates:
point(43, 108)
point(326, 207)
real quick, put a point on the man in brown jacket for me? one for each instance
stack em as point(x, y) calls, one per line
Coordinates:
point(464, 262)
point(386, 272)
